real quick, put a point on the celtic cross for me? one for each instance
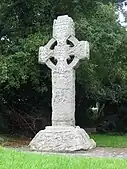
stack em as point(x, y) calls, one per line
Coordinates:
point(62, 55)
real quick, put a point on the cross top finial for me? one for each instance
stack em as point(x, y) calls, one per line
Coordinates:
point(63, 27)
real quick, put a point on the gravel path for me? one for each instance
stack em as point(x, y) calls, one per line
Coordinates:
point(97, 152)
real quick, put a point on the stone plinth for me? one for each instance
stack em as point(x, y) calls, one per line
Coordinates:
point(62, 139)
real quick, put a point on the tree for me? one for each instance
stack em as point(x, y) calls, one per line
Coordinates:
point(26, 25)
point(104, 71)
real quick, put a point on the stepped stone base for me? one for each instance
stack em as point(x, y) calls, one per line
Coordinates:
point(61, 139)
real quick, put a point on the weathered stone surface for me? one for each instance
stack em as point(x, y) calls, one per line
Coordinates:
point(62, 139)
point(62, 54)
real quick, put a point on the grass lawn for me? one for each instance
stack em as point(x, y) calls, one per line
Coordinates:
point(16, 160)
point(110, 140)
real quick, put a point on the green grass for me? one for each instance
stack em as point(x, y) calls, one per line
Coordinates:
point(110, 140)
point(16, 160)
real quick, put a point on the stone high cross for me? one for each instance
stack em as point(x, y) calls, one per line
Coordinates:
point(62, 55)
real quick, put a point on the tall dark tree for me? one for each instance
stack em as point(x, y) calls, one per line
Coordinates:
point(26, 25)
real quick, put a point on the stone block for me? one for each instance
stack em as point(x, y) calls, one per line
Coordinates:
point(62, 139)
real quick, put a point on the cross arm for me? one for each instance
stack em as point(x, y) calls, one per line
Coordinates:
point(45, 53)
point(80, 51)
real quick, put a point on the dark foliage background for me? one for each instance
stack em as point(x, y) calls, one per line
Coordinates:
point(25, 86)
